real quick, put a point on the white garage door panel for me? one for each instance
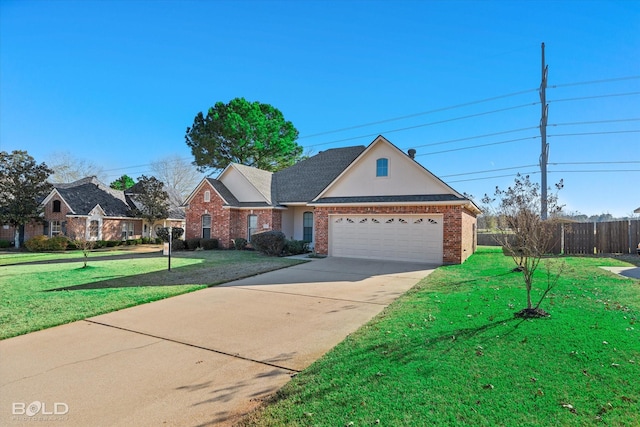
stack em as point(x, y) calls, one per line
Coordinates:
point(392, 237)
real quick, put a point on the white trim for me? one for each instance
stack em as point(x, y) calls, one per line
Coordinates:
point(194, 192)
point(237, 169)
point(50, 196)
point(464, 203)
point(381, 139)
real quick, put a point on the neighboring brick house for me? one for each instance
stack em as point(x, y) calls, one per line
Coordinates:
point(93, 208)
point(365, 202)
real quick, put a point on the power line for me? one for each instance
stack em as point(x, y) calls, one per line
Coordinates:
point(594, 163)
point(550, 171)
point(489, 170)
point(616, 79)
point(475, 137)
point(580, 98)
point(593, 122)
point(596, 133)
point(496, 176)
point(478, 146)
point(597, 170)
point(426, 124)
point(408, 116)
point(465, 104)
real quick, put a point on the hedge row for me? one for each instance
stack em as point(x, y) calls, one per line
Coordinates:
point(274, 243)
point(61, 243)
point(194, 243)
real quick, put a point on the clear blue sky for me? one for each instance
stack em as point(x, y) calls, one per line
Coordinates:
point(118, 82)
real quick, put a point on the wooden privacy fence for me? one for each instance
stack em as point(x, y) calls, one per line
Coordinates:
point(581, 238)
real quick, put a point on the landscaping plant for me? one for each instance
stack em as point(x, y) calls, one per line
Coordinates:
point(525, 235)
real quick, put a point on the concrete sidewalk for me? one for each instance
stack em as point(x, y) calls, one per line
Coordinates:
point(204, 358)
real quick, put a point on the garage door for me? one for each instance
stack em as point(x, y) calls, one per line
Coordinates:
point(416, 238)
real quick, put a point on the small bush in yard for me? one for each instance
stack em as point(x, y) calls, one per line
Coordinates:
point(208, 244)
point(58, 243)
point(269, 242)
point(296, 247)
point(193, 243)
point(43, 243)
point(37, 244)
point(112, 243)
point(178, 245)
point(240, 243)
point(4, 244)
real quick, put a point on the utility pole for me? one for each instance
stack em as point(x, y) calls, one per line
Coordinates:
point(544, 155)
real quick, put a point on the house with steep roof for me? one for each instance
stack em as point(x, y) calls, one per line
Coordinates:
point(373, 202)
point(91, 207)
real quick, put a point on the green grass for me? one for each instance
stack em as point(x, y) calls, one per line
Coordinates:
point(12, 258)
point(36, 295)
point(451, 353)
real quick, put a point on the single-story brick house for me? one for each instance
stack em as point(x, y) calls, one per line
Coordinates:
point(91, 207)
point(365, 202)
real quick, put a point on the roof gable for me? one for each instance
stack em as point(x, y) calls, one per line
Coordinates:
point(246, 183)
point(405, 176)
point(54, 193)
point(303, 181)
point(83, 195)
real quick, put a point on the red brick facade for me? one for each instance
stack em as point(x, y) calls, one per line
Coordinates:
point(226, 223)
point(458, 243)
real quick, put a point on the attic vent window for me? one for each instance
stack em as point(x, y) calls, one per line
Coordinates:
point(56, 205)
point(382, 167)
point(207, 196)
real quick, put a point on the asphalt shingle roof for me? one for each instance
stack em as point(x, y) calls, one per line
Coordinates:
point(83, 195)
point(392, 199)
point(224, 192)
point(303, 181)
point(259, 178)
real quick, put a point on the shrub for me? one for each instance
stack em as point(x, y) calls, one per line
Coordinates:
point(193, 243)
point(37, 244)
point(239, 243)
point(145, 240)
point(158, 241)
point(71, 246)
point(4, 244)
point(58, 243)
point(208, 244)
point(178, 245)
point(296, 247)
point(163, 233)
point(100, 244)
point(43, 243)
point(112, 243)
point(270, 243)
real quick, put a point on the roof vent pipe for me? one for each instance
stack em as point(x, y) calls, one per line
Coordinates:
point(412, 153)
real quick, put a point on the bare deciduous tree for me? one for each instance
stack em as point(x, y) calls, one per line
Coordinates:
point(178, 175)
point(80, 235)
point(525, 236)
point(68, 168)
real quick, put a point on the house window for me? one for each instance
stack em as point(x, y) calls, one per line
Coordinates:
point(93, 229)
point(206, 226)
point(56, 205)
point(127, 230)
point(307, 227)
point(382, 167)
point(207, 196)
point(56, 228)
point(252, 225)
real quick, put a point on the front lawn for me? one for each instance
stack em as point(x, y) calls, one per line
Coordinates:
point(451, 353)
point(38, 291)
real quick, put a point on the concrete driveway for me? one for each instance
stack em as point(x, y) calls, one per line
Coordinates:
point(204, 358)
